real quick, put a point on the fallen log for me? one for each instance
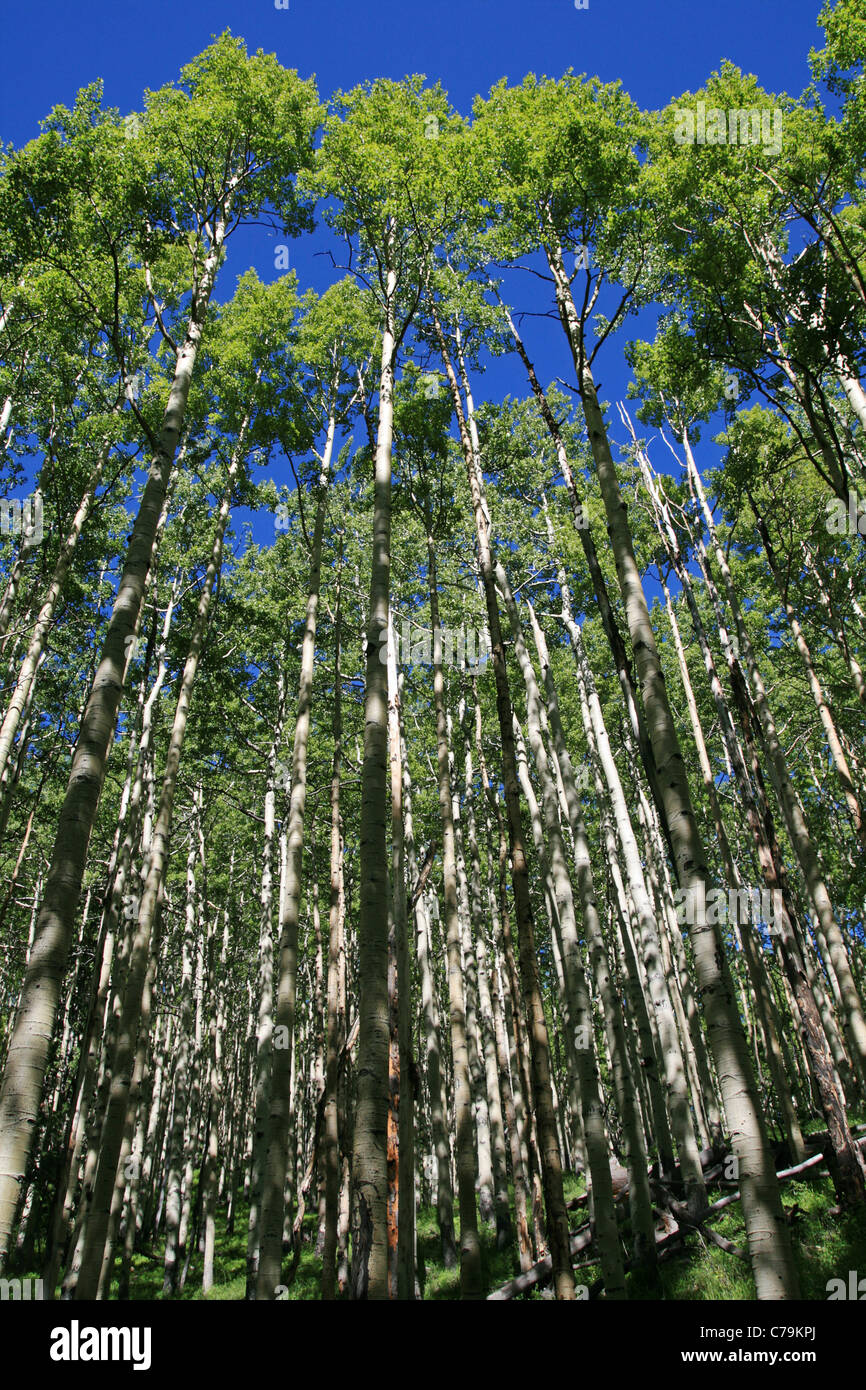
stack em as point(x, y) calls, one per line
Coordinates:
point(541, 1271)
point(723, 1243)
point(696, 1221)
point(712, 1161)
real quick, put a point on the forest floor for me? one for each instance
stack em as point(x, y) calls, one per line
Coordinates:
point(826, 1247)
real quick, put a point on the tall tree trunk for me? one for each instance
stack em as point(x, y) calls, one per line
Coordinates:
point(469, 914)
point(487, 1044)
point(277, 1156)
point(335, 1018)
point(510, 1083)
point(369, 1160)
point(148, 908)
point(216, 1032)
point(402, 1026)
point(769, 1243)
point(264, 1035)
point(470, 1245)
point(436, 1087)
point(182, 1069)
point(539, 1043)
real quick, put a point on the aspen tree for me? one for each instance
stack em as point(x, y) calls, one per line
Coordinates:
point(335, 1023)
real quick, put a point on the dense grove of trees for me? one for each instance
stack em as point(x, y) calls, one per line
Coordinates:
point(488, 806)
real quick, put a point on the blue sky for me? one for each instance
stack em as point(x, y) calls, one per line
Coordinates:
point(657, 50)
